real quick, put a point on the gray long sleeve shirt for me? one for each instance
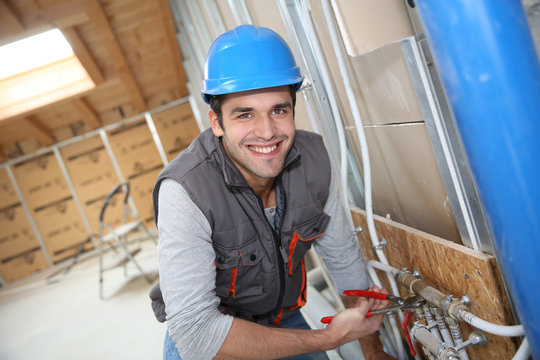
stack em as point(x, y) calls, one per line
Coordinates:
point(187, 269)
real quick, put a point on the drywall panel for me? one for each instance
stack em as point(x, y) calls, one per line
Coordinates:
point(385, 86)
point(371, 24)
point(176, 128)
point(134, 148)
point(453, 269)
point(407, 185)
point(92, 174)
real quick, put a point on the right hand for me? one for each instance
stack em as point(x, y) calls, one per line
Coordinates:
point(352, 324)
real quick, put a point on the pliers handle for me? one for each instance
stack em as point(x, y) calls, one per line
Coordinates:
point(400, 304)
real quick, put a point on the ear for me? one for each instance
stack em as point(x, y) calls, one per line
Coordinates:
point(214, 123)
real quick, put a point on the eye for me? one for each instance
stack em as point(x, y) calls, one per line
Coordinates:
point(279, 112)
point(245, 116)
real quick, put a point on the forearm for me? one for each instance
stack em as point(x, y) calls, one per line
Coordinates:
point(248, 340)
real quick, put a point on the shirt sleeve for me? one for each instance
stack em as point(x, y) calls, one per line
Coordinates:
point(187, 275)
point(339, 247)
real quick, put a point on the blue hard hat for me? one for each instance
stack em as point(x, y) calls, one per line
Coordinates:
point(247, 58)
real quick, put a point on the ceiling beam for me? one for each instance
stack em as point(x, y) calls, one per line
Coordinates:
point(83, 54)
point(89, 115)
point(38, 130)
point(61, 13)
point(172, 42)
point(10, 23)
point(98, 17)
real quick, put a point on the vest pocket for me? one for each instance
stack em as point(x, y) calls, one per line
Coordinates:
point(238, 273)
point(302, 238)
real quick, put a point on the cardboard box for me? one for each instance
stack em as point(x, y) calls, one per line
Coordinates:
point(23, 264)
point(177, 128)
point(134, 149)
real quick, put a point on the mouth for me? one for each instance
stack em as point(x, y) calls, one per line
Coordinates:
point(264, 150)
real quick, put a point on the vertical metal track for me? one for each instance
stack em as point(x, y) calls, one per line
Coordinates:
point(73, 192)
point(240, 12)
point(155, 136)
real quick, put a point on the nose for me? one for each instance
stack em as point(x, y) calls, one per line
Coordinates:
point(266, 128)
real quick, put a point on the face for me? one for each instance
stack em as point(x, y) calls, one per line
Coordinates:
point(258, 131)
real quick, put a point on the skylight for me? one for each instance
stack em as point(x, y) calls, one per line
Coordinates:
point(33, 52)
point(37, 71)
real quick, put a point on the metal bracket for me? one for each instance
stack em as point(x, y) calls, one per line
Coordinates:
point(382, 244)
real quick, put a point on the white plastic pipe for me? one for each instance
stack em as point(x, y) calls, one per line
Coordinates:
point(501, 330)
point(523, 351)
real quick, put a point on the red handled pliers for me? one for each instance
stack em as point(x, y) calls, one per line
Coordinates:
point(406, 305)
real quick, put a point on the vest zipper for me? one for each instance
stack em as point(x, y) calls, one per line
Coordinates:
point(282, 260)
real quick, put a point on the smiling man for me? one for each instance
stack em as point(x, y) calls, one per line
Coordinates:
point(238, 210)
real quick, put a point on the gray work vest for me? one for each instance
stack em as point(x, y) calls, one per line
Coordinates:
point(260, 275)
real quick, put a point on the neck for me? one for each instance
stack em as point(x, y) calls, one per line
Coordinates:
point(266, 190)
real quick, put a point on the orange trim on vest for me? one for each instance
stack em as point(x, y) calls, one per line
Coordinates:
point(302, 297)
point(292, 246)
point(278, 318)
point(233, 281)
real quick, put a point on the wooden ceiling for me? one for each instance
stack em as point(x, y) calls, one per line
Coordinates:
point(129, 49)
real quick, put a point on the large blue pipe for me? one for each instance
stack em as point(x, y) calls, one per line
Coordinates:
point(491, 74)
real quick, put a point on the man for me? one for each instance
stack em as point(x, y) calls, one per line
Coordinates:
point(238, 210)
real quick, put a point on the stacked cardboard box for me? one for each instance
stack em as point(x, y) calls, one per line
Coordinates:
point(20, 252)
point(51, 204)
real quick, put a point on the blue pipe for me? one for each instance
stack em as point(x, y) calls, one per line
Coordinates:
point(491, 74)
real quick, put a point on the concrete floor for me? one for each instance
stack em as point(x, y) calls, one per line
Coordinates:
point(67, 320)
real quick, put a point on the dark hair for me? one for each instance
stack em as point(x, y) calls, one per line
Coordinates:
point(217, 100)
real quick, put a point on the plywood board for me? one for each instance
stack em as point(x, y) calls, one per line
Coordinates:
point(134, 149)
point(177, 128)
point(451, 268)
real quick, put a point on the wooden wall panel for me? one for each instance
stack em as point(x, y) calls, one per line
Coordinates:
point(20, 252)
point(51, 203)
point(176, 128)
point(92, 174)
point(134, 148)
point(451, 268)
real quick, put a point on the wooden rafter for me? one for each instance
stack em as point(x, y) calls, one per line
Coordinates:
point(172, 42)
point(101, 23)
point(38, 130)
point(86, 111)
point(83, 54)
point(10, 23)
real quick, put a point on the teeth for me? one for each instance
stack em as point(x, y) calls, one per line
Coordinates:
point(263, 150)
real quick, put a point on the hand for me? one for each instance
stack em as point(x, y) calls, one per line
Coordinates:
point(352, 323)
